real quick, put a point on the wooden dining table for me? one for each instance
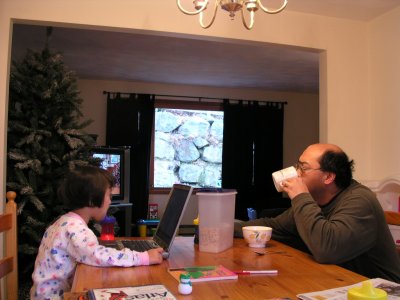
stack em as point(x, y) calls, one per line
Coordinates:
point(298, 273)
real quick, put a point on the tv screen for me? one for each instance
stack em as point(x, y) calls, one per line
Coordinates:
point(116, 161)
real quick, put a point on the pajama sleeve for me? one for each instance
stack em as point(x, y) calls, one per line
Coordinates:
point(85, 248)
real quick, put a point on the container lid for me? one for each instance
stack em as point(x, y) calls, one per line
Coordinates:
point(215, 191)
point(108, 219)
point(366, 292)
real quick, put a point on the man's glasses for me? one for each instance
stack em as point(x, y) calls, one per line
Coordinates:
point(303, 169)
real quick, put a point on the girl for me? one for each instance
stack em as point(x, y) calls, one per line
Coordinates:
point(87, 192)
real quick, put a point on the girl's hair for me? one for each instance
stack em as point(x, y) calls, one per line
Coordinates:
point(85, 187)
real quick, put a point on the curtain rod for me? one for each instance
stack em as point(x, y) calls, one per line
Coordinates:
point(196, 98)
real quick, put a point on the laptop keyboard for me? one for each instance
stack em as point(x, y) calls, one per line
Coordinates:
point(139, 245)
point(136, 245)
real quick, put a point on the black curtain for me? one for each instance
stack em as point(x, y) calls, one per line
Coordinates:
point(129, 123)
point(252, 150)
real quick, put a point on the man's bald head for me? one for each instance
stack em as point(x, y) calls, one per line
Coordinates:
point(320, 149)
point(333, 159)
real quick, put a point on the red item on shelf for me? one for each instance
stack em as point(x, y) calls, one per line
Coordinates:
point(107, 229)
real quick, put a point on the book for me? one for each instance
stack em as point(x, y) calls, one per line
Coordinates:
point(204, 273)
point(151, 291)
point(392, 289)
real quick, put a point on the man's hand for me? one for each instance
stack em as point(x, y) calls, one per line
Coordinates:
point(294, 187)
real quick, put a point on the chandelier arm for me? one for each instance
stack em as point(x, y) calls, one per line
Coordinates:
point(217, 2)
point(178, 2)
point(272, 11)
point(248, 27)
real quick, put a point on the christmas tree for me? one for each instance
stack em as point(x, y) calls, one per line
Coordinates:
point(45, 140)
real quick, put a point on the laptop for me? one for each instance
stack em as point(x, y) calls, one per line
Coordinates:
point(168, 226)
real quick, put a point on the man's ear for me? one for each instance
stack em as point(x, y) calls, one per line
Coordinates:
point(329, 177)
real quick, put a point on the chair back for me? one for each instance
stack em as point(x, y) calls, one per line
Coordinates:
point(393, 218)
point(8, 264)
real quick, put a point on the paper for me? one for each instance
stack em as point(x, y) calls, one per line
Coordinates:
point(391, 288)
point(150, 292)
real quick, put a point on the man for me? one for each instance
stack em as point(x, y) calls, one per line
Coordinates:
point(335, 218)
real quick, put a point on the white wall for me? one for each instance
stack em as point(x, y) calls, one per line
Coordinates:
point(345, 105)
point(384, 86)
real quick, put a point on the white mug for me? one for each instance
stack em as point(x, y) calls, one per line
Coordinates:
point(280, 176)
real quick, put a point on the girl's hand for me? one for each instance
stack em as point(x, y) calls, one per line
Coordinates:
point(155, 256)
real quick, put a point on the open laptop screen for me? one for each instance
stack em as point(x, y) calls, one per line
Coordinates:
point(169, 223)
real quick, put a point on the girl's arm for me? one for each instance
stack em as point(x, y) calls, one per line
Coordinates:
point(83, 245)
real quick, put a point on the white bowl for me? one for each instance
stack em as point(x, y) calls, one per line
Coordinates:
point(257, 236)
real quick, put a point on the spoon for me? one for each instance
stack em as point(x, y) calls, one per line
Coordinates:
point(270, 252)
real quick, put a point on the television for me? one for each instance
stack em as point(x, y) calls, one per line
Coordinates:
point(116, 160)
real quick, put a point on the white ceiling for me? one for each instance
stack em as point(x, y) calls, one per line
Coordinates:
point(98, 54)
point(362, 10)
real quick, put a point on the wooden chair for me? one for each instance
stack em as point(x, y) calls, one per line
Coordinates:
point(8, 264)
point(393, 218)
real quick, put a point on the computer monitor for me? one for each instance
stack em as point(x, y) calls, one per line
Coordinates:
point(116, 160)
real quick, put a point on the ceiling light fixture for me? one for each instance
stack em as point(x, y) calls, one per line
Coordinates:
point(232, 6)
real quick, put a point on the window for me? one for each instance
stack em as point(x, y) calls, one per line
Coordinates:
point(187, 144)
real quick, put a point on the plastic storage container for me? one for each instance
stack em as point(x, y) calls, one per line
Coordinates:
point(142, 228)
point(216, 214)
